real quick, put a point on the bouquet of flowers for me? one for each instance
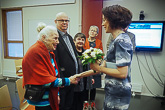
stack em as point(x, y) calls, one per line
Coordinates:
point(91, 55)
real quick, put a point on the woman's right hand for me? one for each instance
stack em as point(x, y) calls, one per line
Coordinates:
point(94, 66)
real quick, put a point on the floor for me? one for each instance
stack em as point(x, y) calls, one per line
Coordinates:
point(12, 90)
point(137, 102)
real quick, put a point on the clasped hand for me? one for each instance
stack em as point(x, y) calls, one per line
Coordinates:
point(74, 79)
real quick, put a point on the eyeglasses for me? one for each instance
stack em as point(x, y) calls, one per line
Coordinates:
point(63, 21)
point(93, 30)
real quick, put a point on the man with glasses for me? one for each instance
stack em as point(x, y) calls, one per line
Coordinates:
point(66, 59)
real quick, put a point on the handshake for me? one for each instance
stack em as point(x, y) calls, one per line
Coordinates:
point(74, 79)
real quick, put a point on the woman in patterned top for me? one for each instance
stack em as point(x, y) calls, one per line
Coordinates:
point(117, 81)
point(119, 55)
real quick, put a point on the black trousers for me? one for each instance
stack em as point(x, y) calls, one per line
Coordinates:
point(78, 101)
point(86, 92)
point(92, 95)
point(66, 97)
point(97, 84)
point(43, 108)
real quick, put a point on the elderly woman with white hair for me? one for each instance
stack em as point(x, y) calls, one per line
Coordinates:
point(41, 76)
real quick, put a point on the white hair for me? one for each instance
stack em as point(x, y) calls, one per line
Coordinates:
point(40, 26)
point(44, 30)
point(95, 27)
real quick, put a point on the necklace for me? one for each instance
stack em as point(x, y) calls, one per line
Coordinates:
point(91, 40)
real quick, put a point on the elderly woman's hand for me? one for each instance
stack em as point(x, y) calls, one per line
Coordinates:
point(73, 79)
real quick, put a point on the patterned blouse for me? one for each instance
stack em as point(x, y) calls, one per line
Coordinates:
point(118, 91)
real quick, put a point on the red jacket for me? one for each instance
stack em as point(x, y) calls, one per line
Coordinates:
point(98, 44)
point(38, 70)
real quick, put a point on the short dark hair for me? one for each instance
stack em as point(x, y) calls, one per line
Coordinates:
point(79, 35)
point(118, 16)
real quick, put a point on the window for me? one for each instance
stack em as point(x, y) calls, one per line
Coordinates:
point(12, 33)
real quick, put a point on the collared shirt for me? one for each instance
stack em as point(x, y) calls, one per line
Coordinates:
point(67, 41)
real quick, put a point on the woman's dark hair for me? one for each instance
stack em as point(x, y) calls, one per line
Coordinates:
point(118, 16)
point(79, 35)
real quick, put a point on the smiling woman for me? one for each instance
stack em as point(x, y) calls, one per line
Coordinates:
point(48, 35)
point(40, 72)
point(79, 41)
point(94, 42)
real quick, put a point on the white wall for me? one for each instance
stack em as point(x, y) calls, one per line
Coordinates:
point(33, 14)
point(153, 10)
point(26, 3)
